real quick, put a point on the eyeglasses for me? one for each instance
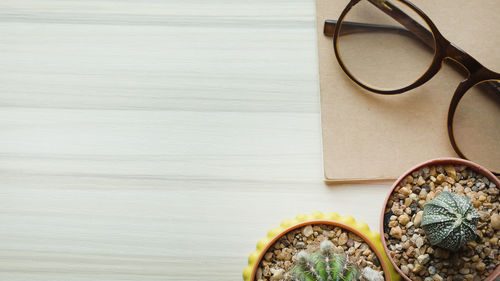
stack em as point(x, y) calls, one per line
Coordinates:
point(390, 47)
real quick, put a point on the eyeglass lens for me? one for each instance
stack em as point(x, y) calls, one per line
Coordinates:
point(379, 51)
point(475, 124)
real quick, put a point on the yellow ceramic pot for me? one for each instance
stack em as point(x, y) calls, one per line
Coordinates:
point(348, 223)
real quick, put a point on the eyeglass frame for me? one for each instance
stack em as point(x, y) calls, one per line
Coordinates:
point(443, 50)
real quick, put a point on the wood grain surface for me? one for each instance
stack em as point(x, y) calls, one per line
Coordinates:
point(158, 140)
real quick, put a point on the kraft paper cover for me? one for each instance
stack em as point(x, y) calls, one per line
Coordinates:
point(367, 136)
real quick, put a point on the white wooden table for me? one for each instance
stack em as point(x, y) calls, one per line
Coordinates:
point(158, 140)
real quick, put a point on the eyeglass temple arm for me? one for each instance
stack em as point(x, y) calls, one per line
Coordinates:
point(349, 27)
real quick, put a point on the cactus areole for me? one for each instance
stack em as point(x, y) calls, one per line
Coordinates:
point(450, 221)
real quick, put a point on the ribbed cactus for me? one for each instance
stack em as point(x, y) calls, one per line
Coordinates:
point(450, 221)
point(324, 265)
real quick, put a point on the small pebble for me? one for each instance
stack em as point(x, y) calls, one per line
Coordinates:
point(420, 181)
point(405, 269)
point(277, 274)
point(404, 219)
point(307, 231)
point(396, 232)
point(418, 267)
point(343, 239)
point(418, 219)
point(432, 270)
point(493, 241)
point(464, 271)
point(423, 259)
point(495, 221)
point(437, 277)
point(419, 242)
point(440, 178)
point(404, 191)
point(480, 266)
point(450, 170)
point(423, 194)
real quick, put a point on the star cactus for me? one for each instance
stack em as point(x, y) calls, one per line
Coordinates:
point(450, 221)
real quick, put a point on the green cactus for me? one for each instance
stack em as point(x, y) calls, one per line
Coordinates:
point(324, 265)
point(450, 221)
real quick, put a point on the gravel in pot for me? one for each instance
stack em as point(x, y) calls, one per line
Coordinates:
point(410, 247)
point(281, 257)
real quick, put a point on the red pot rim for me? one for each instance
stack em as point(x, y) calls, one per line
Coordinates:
point(438, 161)
point(372, 246)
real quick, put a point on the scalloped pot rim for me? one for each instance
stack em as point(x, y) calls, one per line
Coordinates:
point(346, 222)
point(438, 161)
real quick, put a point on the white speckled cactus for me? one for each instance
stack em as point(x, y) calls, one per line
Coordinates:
point(324, 265)
point(450, 221)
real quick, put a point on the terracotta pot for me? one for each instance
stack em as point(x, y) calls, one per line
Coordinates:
point(439, 161)
point(348, 223)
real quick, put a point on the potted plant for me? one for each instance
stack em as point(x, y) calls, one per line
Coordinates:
point(309, 239)
point(441, 221)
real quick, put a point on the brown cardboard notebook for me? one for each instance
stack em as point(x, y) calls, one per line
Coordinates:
point(368, 136)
